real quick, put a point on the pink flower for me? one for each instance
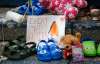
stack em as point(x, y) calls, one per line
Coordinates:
point(80, 3)
point(73, 11)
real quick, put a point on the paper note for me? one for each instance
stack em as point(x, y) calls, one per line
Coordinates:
point(38, 27)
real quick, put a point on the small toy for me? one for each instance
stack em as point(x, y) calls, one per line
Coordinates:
point(70, 39)
point(67, 41)
point(77, 53)
point(89, 48)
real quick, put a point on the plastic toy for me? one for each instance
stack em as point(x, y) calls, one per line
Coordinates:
point(43, 52)
point(89, 48)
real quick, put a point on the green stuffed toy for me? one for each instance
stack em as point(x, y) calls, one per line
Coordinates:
point(98, 50)
point(89, 48)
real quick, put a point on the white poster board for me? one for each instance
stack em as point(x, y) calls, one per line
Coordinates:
point(39, 26)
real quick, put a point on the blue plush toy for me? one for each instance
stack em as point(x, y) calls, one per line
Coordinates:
point(34, 9)
point(55, 51)
point(22, 9)
point(47, 51)
point(43, 53)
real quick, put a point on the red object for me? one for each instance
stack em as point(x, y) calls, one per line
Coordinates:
point(70, 12)
point(45, 3)
point(67, 53)
point(73, 11)
point(60, 8)
point(64, 7)
point(80, 3)
point(66, 1)
point(54, 4)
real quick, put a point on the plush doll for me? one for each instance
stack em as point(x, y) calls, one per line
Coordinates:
point(67, 41)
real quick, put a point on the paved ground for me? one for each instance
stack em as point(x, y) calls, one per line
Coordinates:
point(33, 60)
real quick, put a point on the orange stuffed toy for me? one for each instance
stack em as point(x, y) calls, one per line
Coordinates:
point(67, 41)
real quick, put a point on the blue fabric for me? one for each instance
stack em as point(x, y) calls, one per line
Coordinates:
point(47, 51)
point(43, 53)
point(22, 9)
point(87, 38)
point(35, 9)
point(55, 51)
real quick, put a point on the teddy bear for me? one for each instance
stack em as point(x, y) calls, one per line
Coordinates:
point(67, 41)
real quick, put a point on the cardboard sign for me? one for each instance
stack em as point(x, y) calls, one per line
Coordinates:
point(38, 27)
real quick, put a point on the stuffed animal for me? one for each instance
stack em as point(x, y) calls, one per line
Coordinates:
point(70, 39)
point(67, 41)
point(67, 52)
